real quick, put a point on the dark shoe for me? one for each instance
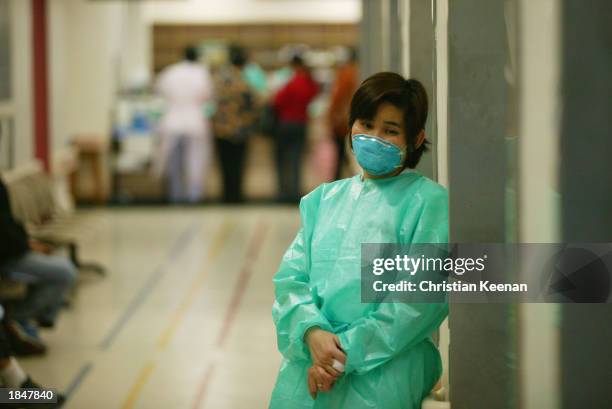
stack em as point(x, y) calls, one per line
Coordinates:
point(45, 323)
point(30, 384)
point(23, 343)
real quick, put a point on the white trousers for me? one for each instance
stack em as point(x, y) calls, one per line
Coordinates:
point(187, 169)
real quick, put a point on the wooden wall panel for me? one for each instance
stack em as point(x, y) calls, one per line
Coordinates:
point(169, 40)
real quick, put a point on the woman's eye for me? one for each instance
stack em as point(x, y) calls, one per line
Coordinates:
point(367, 125)
point(392, 132)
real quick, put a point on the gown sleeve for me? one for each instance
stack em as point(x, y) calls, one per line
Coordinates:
point(393, 327)
point(295, 308)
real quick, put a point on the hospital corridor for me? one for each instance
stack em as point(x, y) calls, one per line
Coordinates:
point(305, 204)
point(183, 321)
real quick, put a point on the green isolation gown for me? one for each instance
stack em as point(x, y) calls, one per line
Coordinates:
point(392, 362)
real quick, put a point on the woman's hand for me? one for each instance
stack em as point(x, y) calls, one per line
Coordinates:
point(325, 348)
point(319, 380)
point(40, 247)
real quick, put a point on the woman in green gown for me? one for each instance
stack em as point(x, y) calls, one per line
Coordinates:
point(339, 353)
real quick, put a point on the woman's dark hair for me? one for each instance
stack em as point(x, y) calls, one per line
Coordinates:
point(297, 61)
point(409, 95)
point(237, 56)
point(190, 53)
point(353, 54)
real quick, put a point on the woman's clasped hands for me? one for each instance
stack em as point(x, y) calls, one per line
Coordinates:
point(328, 360)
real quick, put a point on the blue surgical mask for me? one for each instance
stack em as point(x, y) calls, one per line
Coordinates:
point(377, 156)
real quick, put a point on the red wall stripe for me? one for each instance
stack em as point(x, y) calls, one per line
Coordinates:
point(40, 81)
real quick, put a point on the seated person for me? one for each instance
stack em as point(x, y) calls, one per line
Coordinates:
point(48, 277)
point(12, 374)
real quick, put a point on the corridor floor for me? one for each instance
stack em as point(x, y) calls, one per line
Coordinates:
point(183, 317)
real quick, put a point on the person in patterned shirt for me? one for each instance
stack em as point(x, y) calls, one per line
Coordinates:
point(233, 121)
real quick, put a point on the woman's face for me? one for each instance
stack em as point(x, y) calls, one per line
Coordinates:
point(387, 124)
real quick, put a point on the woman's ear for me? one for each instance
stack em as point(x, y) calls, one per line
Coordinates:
point(420, 139)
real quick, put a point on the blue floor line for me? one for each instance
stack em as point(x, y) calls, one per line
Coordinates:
point(78, 380)
point(177, 248)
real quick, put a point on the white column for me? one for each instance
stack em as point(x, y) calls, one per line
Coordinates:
point(538, 163)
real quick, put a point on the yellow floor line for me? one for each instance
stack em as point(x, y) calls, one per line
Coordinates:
point(142, 379)
point(213, 252)
point(168, 333)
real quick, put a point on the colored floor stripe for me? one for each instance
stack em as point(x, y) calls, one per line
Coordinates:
point(203, 388)
point(214, 252)
point(178, 247)
point(255, 246)
point(168, 333)
point(78, 380)
point(242, 282)
point(138, 386)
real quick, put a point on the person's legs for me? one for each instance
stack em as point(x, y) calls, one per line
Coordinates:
point(295, 159)
point(11, 373)
point(236, 153)
point(6, 350)
point(282, 144)
point(14, 339)
point(13, 376)
point(225, 161)
point(176, 181)
point(241, 156)
point(49, 279)
point(197, 153)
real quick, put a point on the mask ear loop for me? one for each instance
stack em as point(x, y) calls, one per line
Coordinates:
point(350, 139)
point(411, 148)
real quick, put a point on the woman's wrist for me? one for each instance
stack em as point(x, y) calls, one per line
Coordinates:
point(309, 331)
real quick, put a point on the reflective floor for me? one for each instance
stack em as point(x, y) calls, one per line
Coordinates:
point(183, 317)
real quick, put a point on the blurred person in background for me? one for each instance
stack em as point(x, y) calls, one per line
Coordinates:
point(48, 277)
point(185, 146)
point(232, 122)
point(291, 104)
point(345, 85)
point(255, 76)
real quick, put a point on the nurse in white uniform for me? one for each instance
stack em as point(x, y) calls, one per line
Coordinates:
point(185, 148)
